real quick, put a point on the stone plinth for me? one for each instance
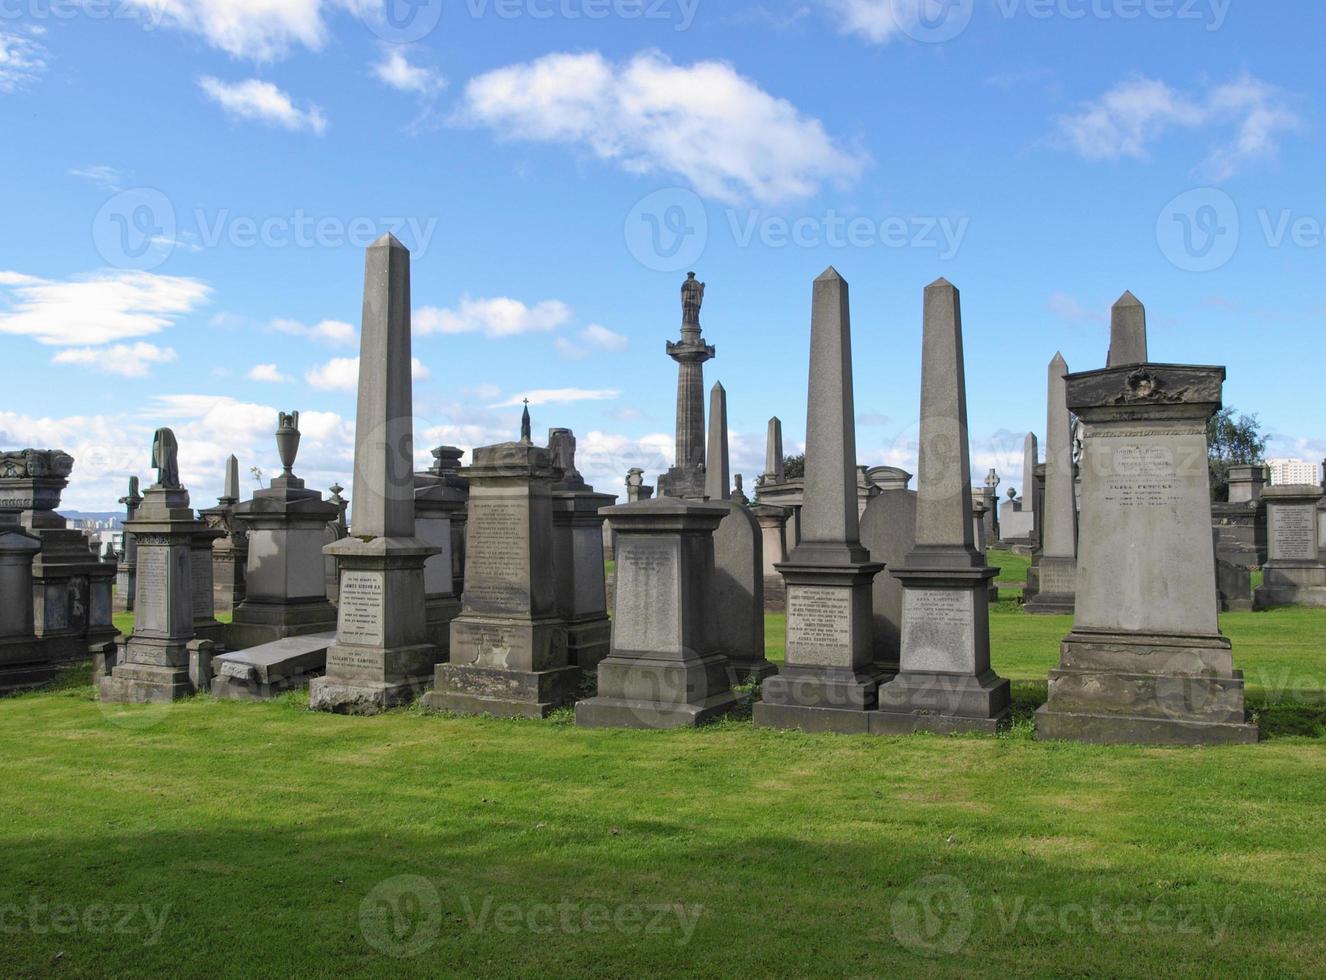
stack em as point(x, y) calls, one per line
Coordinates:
point(23, 661)
point(665, 669)
point(1145, 661)
point(266, 672)
point(773, 538)
point(205, 624)
point(582, 596)
point(437, 506)
point(508, 646)
point(153, 661)
point(888, 532)
point(1293, 575)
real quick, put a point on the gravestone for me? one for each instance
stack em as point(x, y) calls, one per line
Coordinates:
point(830, 681)
point(888, 532)
point(285, 585)
point(1145, 662)
point(337, 530)
point(773, 547)
point(508, 646)
point(23, 661)
point(1240, 522)
point(128, 565)
point(153, 663)
point(665, 669)
point(686, 479)
point(1050, 580)
point(1294, 574)
point(1017, 516)
point(230, 552)
point(439, 502)
point(578, 558)
point(71, 586)
point(205, 624)
point(945, 683)
point(266, 672)
point(382, 656)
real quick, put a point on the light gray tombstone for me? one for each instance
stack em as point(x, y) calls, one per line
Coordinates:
point(830, 681)
point(686, 479)
point(739, 593)
point(153, 663)
point(666, 669)
point(23, 663)
point(382, 656)
point(1294, 574)
point(1146, 662)
point(888, 531)
point(945, 683)
point(508, 646)
point(285, 581)
point(1050, 580)
point(266, 672)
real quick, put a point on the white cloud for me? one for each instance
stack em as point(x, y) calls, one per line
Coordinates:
point(592, 338)
point(560, 396)
point(128, 360)
point(706, 123)
point(97, 309)
point(262, 101)
point(262, 30)
point(342, 374)
point(21, 60)
point(334, 332)
point(267, 373)
point(1128, 119)
point(396, 71)
point(107, 178)
point(878, 21)
point(499, 317)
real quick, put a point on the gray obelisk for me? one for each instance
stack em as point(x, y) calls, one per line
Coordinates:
point(1055, 567)
point(1030, 496)
point(774, 471)
point(830, 682)
point(231, 492)
point(382, 656)
point(945, 683)
point(718, 475)
point(1127, 332)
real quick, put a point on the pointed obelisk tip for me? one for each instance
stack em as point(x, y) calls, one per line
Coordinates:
point(1128, 299)
point(718, 386)
point(1058, 360)
point(941, 283)
point(389, 241)
point(830, 275)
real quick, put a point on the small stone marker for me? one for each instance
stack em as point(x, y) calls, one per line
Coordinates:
point(1294, 574)
point(1051, 580)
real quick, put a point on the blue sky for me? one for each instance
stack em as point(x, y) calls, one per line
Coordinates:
point(188, 185)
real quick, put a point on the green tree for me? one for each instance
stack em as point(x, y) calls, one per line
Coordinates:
point(794, 467)
point(1232, 441)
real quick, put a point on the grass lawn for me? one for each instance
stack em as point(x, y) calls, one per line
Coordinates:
point(218, 838)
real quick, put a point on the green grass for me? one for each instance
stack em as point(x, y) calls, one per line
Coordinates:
point(267, 840)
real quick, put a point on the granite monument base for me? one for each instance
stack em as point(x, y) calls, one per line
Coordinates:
point(946, 704)
point(23, 666)
point(1125, 688)
point(492, 669)
point(148, 672)
point(637, 691)
point(441, 612)
point(257, 623)
point(1051, 586)
point(266, 672)
point(364, 680)
point(588, 644)
point(1287, 583)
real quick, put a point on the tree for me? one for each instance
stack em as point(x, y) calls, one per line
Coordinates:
point(1231, 442)
point(794, 467)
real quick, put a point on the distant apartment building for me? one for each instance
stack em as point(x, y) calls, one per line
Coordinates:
point(1286, 472)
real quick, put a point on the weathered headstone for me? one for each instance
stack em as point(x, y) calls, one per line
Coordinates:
point(686, 479)
point(888, 532)
point(508, 646)
point(1294, 574)
point(665, 669)
point(382, 656)
point(153, 662)
point(128, 565)
point(439, 502)
point(285, 584)
point(23, 662)
point(1146, 661)
point(1050, 581)
point(830, 682)
point(265, 672)
point(945, 683)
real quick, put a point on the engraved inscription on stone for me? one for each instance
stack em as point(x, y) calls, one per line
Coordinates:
point(202, 584)
point(938, 630)
point(819, 617)
point(1143, 476)
point(1293, 532)
point(150, 600)
point(360, 617)
point(496, 566)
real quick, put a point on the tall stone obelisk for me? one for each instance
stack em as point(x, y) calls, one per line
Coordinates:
point(687, 477)
point(945, 683)
point(718, 473)
point(830, 681)
point(1127, 332)
point(1054, 570)
point(382, 656)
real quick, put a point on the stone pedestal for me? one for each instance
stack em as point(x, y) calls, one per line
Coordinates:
point(773, 542)
point(508, 646)
point(205, 624)
point(1293, 575)
point(665, 669)
point(23, 662)
point(888, 532)
point(578, 558)
point(437, 505)
point(285, 585)
point(123, 600)
point(1145, 661)
point(152, 664)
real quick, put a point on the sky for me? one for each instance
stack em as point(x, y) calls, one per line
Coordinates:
point(188, 187)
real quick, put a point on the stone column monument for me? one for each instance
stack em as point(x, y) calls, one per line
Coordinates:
point(124, 579)
point(230, 553)
point(687, 477)
point(152, 664)
point(665, 669)
point(945, 683)
point(718, 468)
point(830, 682)
point(1294, 575)
point(382, 656)
point(23, 663)
point(1145, 661)
point(773, 531)
point(774, 465)
point(285, 582)
point(1050, 581)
